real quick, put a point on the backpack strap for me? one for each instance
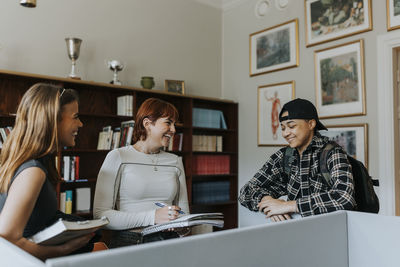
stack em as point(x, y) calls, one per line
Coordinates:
point(287, 160)
point(323, 162)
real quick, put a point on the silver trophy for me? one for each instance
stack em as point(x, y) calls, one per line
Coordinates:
point(115, 66)
point(73, 46)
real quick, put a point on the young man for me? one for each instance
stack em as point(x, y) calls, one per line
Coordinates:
point(307, 193)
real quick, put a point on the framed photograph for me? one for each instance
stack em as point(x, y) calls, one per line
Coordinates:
point(352, 137)
point(271, 98)
point(175, 86)
point(393, 14)
point(339, 80)
point(275, 48)
point(328, 20)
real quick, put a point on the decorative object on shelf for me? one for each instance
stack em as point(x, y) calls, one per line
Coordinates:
point(115, 66)
point(175, 86)
point(147, 82)
point(281, 4)
point(271, 98)
point(28, 3)
point(331, 20)
point(262, 7)
point(73, 47)
point(275, 48)
point(339, 74)
point(352, 137)
point(393, 14)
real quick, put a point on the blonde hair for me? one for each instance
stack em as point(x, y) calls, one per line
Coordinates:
point(35, 132)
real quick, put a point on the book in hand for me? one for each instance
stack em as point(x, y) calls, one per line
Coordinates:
point(214, 219)
point(63, 231)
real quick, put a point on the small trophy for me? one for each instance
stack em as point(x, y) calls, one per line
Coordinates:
point(115, 66)
point(73, 46)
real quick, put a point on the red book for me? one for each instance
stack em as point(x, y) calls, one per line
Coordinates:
point(77, 168)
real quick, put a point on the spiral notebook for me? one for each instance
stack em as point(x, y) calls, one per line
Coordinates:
point(214, 219)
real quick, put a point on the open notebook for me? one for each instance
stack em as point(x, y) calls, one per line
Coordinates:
point(214, 219)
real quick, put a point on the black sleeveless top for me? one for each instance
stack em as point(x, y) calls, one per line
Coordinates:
point(44, 212)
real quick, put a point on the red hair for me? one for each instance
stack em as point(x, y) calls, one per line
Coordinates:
point(153, 109)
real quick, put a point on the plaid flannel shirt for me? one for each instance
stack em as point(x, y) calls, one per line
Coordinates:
point(305, 183)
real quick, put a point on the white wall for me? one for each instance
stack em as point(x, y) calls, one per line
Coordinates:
point(238, 23)
point(174, 39)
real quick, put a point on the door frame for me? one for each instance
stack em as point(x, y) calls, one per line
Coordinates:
point(386, 44)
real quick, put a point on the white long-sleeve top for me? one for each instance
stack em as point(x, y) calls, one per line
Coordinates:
point(144, 180)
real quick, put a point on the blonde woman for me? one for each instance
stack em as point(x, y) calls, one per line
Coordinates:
point(47, 119)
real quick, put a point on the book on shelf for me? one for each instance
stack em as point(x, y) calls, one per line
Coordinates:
point(63, 196)
point(68, 201)
point(176, 143)
point(209, 143)
point(211, 164)
point(63, 231)
point(126, 133)
point(210, 192)
point(125, 105)
point(82, 196)
point(105, 138)
point(4, 132)
point(208, 118)
point(214, 219)
point(70, 168)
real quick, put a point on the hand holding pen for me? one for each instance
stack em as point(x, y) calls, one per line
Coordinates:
point(166, 213)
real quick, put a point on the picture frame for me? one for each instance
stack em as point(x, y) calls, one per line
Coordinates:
point(270, 99)
point(275, 48)
point(328, 20)
point(393, 14)
point(352, 137)
point(175, 86)
point(339, 80)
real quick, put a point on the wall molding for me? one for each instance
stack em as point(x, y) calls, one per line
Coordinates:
point(385, 45)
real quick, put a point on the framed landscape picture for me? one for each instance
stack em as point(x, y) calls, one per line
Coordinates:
point(393, 14)
point(339, 80)
point(275, 48)
point(352, 137)
point(328, 20)
point(270, 100)
point(175, 86)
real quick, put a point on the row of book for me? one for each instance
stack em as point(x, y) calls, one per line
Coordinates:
point(210, 192)
point(118, 137)
point(208, 118)
point(125, 105)
point(4, 132)
point(210, 143)
point(81, 197)
point(70, 168)
point(211, 164)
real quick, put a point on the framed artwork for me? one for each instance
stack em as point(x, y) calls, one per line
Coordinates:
point(275, 48)
point(339, 80)
point(393, 14)
point(352, 137)
point(271, 98)
point(328, 20)
point(175, 86)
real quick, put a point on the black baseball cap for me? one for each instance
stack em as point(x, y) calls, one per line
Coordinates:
point(301, 109)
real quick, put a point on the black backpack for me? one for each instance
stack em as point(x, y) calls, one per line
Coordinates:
point(366, 199)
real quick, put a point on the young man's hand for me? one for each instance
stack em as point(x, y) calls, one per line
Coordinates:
point(274, 207)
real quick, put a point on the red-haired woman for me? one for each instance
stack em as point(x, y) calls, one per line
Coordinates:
point(133, 178)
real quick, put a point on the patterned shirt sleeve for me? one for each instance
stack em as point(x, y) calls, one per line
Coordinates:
point(340, 196)
point(268, 181)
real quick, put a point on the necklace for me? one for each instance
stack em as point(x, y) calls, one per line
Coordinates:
point(154, 160)
point(153, 156)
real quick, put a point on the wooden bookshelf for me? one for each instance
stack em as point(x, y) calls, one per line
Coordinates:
point(98, 108)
